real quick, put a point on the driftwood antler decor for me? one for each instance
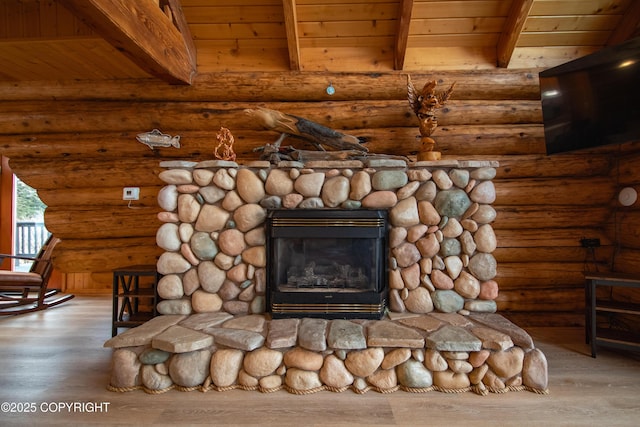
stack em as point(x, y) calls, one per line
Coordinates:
point(424, 104)
point(345, 146)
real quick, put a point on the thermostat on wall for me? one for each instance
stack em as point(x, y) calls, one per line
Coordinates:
point(131, 193)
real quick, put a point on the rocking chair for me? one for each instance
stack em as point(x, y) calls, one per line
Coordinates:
point(23, 292)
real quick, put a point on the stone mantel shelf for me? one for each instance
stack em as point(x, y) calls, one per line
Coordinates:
point(339, 164)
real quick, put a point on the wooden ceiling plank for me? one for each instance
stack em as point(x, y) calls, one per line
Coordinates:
point(291, 28)
point(628, 26)
point(217, 58)
point(217, 14)
point(454, 40)
point(379, 42)
point(346, 59)
point(571, 23)
point(460, 9)
point(81, 58)
point(347, 12)
point(105, 58)
point(239, 44)
point(450, 58)
point(12, 20)
point(402, 33)
point(31, 13)
point(492, 24)
point(327, 2)
point(546, 57)
point(563, 38)
point(238, 31)
point(385, 27)
point(142, 32)
point(581, 7)
point(511, 32)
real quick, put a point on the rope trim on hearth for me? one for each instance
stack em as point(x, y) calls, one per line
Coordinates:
point(479, 389)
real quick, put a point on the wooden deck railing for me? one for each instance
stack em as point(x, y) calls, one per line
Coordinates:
point(30, 236)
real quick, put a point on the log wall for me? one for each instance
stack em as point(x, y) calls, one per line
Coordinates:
point(75, 143)
point(623, 226)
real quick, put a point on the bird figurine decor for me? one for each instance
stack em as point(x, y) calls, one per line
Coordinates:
point(298, 127)
point(424, 104)
point(224, 147)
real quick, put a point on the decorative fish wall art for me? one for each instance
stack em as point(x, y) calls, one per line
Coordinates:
point(155, 138)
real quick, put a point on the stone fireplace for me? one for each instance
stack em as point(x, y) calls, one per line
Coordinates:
point(328, 275)
point(327, 263)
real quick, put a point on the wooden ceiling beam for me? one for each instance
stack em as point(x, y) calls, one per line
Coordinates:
point(293, 38)
point(180, 22)
point(142, 32)
point(628, 26)
point(512, 28)
point(402, 33)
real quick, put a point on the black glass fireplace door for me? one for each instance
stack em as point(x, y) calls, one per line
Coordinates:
point(327, 263)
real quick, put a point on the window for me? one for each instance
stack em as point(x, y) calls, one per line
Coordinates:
point(22, 229)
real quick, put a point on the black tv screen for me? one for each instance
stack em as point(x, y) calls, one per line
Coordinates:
point(593, 100)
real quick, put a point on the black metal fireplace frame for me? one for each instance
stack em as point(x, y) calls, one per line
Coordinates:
point(321, 223)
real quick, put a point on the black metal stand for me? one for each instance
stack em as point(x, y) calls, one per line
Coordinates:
point(134, 297)
point(619, 338)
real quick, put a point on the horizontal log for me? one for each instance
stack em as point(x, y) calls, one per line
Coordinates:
point(91, 255)
point(114, 146)
point(540, 275)
point(556, 191)
point(101, 222)
point(496, 140)
point(76, 146)
point(516, 217)
point(86, 155)
point(144, 170)
point(627, 261)
point(625, 229)
point(537, 318)
point(562, 300)
point(565, 165)
point(600, 256)
point(487, 140)
point(629, 148)
point(54, 174)
point(265, 86)
point(625, 294)
point(627, 173)
point(69, 176)
point(548, 237)
point(174, 117)
point(97, 196)
point(90, 283)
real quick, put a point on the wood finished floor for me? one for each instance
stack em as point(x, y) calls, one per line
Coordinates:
point(57, 356)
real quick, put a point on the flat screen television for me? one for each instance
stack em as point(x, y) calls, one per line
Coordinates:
point(593, 100)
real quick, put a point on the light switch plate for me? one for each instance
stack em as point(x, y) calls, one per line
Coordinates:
point(130, 193)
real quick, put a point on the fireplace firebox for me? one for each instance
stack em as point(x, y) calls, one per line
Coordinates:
point(327, 263)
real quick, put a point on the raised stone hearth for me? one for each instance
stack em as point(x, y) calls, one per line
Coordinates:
point(440, 330)
point(419, 352)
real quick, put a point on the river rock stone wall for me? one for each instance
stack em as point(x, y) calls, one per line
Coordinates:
point(440, 214)
point(440, 333)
